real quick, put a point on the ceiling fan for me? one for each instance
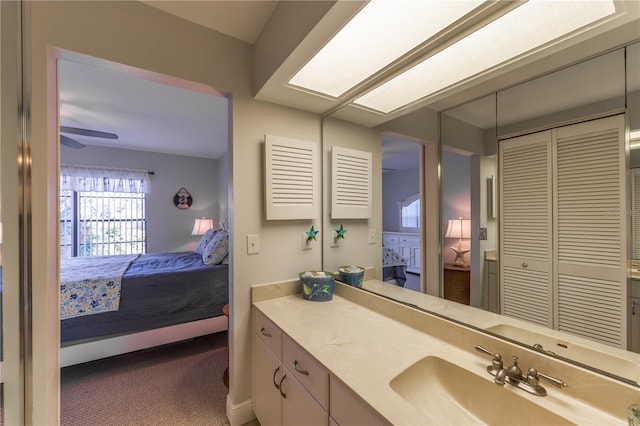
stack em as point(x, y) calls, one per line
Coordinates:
point(72, 143)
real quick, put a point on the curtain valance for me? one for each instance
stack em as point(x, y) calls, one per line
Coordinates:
point(102, 179)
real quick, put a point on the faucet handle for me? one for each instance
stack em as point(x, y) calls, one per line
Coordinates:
point(496, 360)
point(514, 370)
point(534, 375)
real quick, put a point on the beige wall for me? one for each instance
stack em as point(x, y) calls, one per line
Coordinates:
point(133, 34)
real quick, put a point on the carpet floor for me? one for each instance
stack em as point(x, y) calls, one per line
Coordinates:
point(177, 385)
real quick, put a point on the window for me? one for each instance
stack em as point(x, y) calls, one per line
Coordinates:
point(101, 215)
point(410, 214)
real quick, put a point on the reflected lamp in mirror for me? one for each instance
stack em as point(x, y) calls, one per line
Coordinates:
point(459, 228)
point(201, 226)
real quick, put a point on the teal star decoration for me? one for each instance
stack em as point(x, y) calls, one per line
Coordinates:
point(311, 234)
point(340, 233)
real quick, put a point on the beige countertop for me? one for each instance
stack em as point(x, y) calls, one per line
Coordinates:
point(366, 350)
point(620, 362)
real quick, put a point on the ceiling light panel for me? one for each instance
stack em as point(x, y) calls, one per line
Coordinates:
point(529, 26)
point(380, 33)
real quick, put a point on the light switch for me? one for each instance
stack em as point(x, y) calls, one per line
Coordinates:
point(372, 236)
point(253, 244)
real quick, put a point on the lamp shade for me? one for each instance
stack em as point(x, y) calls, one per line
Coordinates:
point(201, 226)
point(458, 228)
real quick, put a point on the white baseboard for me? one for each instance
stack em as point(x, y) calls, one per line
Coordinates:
point(240, 414)
point(90, 351)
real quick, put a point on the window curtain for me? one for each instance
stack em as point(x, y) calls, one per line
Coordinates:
point(96, 179)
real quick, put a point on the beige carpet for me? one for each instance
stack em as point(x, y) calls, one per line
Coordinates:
point(179, 384)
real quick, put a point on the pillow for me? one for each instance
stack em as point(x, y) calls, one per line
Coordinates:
point(205, 239)
point(217, 249)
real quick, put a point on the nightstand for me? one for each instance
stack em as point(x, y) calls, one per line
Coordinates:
point(457, 283)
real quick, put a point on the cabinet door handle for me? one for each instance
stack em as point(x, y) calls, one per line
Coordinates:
point(275, 373)
point(297, 368)
point(284, 395)
point(264, 332)
point(633, 307)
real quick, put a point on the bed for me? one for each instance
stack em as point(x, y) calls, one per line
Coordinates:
point(394, 267)
point(163, 298)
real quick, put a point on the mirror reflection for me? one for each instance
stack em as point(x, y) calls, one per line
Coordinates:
point(401, 211)
point(469, 231)
point(476, 267)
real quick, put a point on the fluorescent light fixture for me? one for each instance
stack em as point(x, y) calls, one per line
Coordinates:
point(380, 33)
point(522, 30)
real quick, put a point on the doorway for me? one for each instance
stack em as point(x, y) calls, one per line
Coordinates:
point(401, 210)
point(172, 129)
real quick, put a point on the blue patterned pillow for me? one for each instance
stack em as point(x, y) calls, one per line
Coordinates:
point(217, 249)
point(205, 239)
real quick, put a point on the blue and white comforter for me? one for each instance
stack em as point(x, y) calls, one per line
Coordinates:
point(88, 287)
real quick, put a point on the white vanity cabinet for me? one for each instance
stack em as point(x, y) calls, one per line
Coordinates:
point(289, 386)
point(292, 388)
point(406, 245)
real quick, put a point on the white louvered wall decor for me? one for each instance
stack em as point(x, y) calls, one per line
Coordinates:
point(292, 173)
point(590, 225)
point(351, 184)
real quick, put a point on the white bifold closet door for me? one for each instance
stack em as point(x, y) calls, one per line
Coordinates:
point(526, 238)
point(583, 183)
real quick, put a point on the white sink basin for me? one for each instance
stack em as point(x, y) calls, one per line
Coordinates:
point(587, 355)
point(451, 395)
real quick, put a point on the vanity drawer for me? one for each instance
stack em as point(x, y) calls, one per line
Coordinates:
point(313, 376)
point(389, 240)
point(410, 240)
point(270, 334)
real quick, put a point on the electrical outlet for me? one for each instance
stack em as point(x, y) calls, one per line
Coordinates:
point(372, 236)
point(483, 233)
point(253, 244)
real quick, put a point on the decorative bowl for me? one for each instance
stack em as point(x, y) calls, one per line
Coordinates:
point(317, 285)
point(351, 274)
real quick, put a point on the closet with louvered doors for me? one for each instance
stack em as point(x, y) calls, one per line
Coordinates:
point(585, 227)
point(526, 238)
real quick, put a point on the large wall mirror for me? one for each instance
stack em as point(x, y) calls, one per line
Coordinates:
point(460, 171)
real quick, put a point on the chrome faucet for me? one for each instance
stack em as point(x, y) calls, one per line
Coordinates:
point(513, 375)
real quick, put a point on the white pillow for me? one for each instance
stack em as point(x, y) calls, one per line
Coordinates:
point(217, 249)
point(205, 239)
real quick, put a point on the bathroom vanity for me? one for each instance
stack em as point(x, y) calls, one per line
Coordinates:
point(364, 359)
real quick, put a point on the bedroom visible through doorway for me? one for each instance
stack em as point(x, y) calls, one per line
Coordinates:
point(401, 210)
point(168, 135)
